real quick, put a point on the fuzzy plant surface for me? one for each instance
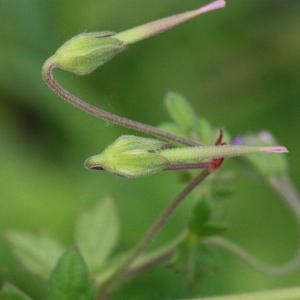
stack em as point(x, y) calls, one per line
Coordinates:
point(96, 259)
point(189, 145)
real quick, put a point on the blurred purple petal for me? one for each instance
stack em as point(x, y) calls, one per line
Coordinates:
point(238, 140)
point(265, 136)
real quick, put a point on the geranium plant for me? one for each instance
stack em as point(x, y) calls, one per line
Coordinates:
point(188, 145)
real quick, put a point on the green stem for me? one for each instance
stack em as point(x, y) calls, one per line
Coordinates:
point(282, 294)
point(145, 262)
point(98, 112)
point(152, 233)
point(286, 189)
point(155, 258)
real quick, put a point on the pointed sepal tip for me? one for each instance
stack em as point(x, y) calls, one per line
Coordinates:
point(276, 149)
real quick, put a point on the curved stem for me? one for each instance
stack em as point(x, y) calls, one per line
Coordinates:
point(286, 189)
point(252, 261)
point(153, 231)
point(91, 109)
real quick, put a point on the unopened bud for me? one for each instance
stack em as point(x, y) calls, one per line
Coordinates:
point(87, 51)
point(131, 157)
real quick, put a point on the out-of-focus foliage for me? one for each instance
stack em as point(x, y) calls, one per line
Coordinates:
point(38, 253)
point(239, 67)
point(267, 166)
point(97, 233)
point(9, 292)
point(70, 279)
point(200, 221)
point(180, 111)
point(280, 294)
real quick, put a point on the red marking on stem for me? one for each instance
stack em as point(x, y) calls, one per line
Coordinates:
point(216, 163)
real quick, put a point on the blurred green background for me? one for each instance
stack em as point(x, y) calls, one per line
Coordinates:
point(240, 69)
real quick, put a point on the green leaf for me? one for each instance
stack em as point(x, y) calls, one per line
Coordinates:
point(201, 215)
point(194, 259)
point(9, 292)
point(223, 192)
point(70, 279)
point(206, 133)
point(202, 210)
point(211, 230)
point(199, 222)
point(180, 111)
point(97, 233)
point(173, 128)
point(38, 253)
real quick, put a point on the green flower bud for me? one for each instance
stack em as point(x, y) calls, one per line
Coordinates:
point(131, 157)
point(87, 51)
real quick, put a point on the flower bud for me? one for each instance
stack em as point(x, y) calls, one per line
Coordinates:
point(131, 157)
point(87, 51)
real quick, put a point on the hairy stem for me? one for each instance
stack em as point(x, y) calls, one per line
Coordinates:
point(154, 230)
point(184, 154)
point(145, 262)
point(155, 259)
point(188, 166)
point(286, 189)
point(91, 109)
